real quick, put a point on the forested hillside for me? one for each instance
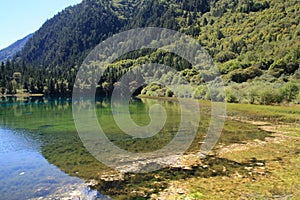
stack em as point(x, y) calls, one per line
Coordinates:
point(253, 42)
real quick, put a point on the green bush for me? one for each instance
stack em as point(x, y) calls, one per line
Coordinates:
point(169, 93)
point(289, 92)
point(282, 67)
point(225, 56)
point(200, 92)
point(231, 96)
point(242, 75)
point(252, 96)
point(215, 95)
point(229, 66)
point(269, 96)
point(297, 99)
point(291, 67)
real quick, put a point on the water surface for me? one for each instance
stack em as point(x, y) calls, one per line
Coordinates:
point(25, 173)
point(41, 153)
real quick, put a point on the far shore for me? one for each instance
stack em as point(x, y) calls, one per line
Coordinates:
point(207, 101)
point(22, 95)
point(155, 97)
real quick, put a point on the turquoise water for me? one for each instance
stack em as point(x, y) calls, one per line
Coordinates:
point(24, 171)
point(43, 157)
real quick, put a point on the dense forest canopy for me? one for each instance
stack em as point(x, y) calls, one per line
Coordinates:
point(253, 42)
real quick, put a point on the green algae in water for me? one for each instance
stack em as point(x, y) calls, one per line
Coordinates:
point(52, 122)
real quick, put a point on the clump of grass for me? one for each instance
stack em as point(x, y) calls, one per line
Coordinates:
point(280, 180)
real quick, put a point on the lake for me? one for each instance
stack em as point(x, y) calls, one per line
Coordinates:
point(42, 155)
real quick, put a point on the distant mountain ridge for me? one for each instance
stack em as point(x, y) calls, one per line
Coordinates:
point(10, 51)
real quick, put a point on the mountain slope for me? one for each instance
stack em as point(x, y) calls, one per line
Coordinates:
point(71, 34)
point(68, 36)
point(238, 31)
point(253, 42)
point(10, 51)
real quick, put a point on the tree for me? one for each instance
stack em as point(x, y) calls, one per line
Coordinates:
point(2, 67)
point(52, 90)
point(107, 87)
point(205, 22)
point(220, 35)
point(10, 89)
point(3, 90)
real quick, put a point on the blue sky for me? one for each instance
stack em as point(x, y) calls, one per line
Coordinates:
point(19, 18)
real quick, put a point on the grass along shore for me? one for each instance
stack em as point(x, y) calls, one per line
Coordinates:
point(274, 163)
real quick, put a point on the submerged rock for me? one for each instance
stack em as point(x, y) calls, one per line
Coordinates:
point(78, 191)
point(140, 165)
point(41, 192)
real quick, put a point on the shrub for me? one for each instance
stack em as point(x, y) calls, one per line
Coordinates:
point(169, 93)
point(200, 92)
point(281, 67)
point(231, 96)
point(291, 67)
point(242, 75)
point(225, 56)
point(269, 96)
point(289, 92)
point(229, 66)
point(252, 96)
point(215, 95)
point(265, 64)
point(297, 99)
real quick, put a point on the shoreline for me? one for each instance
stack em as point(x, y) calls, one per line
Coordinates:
point(172, 99)
point(175, 99)
point(22, 95)
point(157, 98)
